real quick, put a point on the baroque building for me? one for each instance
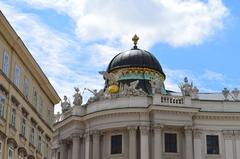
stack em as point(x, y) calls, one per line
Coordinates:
point(135, 117)
point(27, 101)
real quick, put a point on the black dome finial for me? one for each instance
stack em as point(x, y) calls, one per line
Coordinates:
point(135, 39)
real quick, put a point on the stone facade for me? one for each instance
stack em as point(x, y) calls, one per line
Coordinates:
point(27, 100)
point(143, 122)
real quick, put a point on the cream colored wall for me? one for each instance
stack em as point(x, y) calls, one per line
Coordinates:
point(14, 59)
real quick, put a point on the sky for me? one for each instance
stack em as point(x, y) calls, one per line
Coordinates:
point(72, 40)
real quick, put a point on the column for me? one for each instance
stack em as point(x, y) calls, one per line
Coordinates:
point(132, 142)
point(228, 139)
point(188, 142)
point(96, 144)
point(87, 145)
point(157, 141)
point(63, 149)
point(144, 131)
point(197, 144)
point(75, 146)
point(237, 138)
point(69, 152)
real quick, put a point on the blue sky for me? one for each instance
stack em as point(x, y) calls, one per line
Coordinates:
point(74, 39)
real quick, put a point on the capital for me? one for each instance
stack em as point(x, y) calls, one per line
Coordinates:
point(132, 130)
point(144, 130)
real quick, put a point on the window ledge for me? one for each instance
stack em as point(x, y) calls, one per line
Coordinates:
point(12, 127)
point(117, 155)
point(213, 156)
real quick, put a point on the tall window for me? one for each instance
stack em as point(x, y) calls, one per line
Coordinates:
point(116, 144)
point(6, 61)
point(13, 117)
point(32, 136)
point(212, 144)
point(2, 105)
point(1, 149)
point(35, 100)
point(10, 152)
point(16, 75)
point(23, 127)
point(46, 151)
point(39, 145)
point(40, 105)
point(26, 87)
point(170, 142)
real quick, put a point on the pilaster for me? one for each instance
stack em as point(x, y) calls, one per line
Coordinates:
point(132, 142)
point(144, 132)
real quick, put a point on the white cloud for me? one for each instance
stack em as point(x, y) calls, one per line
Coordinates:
point(176, 22)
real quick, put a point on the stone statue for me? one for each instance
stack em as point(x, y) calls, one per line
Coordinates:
point(156, 85)
point(57, 117)
point(77, 97)
point(195, 91)
point(131, 89)
point(225, 93)
point(186, 88)
point(97, 94)
point(65, 105)
point(235, 93)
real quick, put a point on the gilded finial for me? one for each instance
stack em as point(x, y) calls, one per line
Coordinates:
point(135, 40)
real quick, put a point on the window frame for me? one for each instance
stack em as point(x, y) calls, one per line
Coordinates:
point(1, 149)
point(206, 140)
point(23, 126)
point(32, 136)
point(17, 75)
point(13, 116)
point(110, 143)
point(177, 139)
point(5, 65)
point(26, 87)
point(2, 106)
point(11, 148)
point(39, 143)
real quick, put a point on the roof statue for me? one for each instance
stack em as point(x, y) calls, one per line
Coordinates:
point(65, 104)
point(225, 93)
point(77, 97)
point(186, 88)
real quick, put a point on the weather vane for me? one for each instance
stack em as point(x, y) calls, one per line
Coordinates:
point(135, 40)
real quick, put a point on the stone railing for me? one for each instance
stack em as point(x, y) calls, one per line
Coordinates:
point(171, 100)
point(159, 99)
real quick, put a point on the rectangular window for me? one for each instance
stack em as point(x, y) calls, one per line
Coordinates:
point(13, 117)
point(6, 61)
point(40, 105)
point(32, 136)
point(26, 87)
point(17, 75)
point(170, 142)
point(212, 144)
point(2, 105)
point(39, 143)
point(35, 97)
point(1, 149)
point(23, 127)
point(10, 152)
point(116, 144)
